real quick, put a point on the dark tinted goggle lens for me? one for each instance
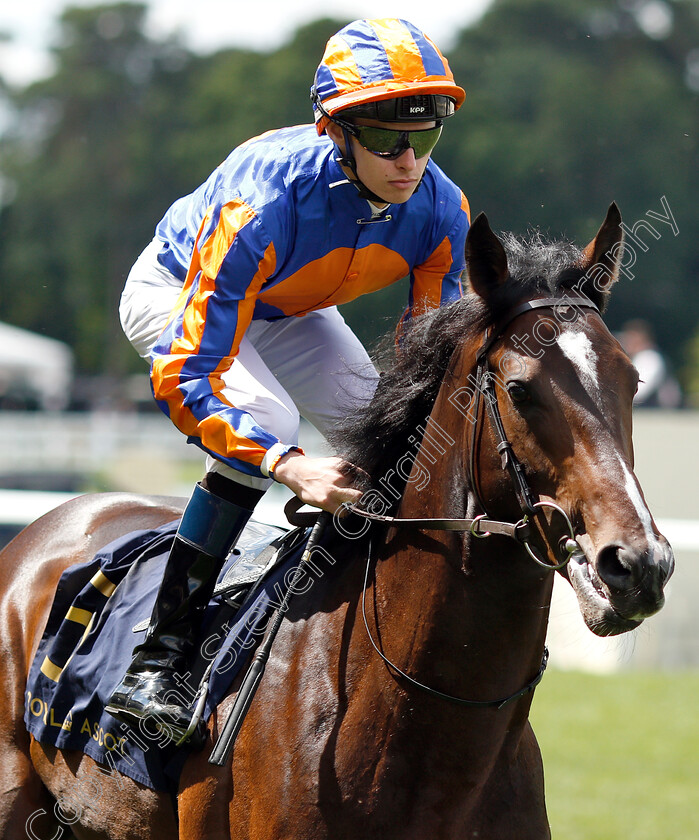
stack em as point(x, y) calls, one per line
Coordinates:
point(391, 143)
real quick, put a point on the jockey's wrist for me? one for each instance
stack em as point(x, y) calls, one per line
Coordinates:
point(275, 454)
point(280, 467)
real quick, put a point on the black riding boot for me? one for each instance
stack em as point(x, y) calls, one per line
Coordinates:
point(209, 529)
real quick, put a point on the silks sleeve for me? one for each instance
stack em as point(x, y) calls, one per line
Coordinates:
point(437, 280)
point(232, 258)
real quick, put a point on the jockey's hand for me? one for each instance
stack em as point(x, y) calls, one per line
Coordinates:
point(321, 482)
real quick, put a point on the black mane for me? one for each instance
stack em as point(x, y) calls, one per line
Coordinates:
point(375, 436)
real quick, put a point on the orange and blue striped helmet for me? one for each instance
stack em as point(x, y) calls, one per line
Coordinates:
point(374, 61)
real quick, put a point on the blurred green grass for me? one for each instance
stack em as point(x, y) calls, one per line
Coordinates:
point(621, 754)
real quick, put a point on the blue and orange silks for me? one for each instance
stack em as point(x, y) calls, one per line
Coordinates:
point(275, 232)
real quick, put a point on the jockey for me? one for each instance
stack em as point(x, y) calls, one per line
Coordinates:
point(234, 301)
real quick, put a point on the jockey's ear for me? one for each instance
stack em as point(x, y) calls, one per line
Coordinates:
point(486, 261)
point(601, 260)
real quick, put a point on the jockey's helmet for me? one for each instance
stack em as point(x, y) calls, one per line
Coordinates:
point(384, 69)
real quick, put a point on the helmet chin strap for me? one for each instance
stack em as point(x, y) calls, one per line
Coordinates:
point(347, 160)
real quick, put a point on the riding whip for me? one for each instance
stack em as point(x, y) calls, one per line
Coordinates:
point(224, 745)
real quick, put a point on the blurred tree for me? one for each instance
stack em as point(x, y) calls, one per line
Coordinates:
point(124, 127)
point(88, 146)
point(690, 373)
point(570, 104)
point(574, 103)
point(234, 95)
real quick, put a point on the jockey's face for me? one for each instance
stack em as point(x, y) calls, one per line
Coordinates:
point(394, 180)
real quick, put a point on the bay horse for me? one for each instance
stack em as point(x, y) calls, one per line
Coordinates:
point(419, 727)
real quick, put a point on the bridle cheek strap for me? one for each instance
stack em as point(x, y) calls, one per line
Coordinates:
point(508, 459)
point(486, 390)
point(481, 526)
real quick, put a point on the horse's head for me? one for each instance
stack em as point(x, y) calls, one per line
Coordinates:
point(563, 388)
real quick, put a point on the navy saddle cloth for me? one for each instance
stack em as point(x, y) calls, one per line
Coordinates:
point(101, 611)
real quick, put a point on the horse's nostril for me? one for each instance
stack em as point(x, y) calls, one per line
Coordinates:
point(611, 568)
point(667, 565)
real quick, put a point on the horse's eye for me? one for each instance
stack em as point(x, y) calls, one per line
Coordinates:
point(519, 394)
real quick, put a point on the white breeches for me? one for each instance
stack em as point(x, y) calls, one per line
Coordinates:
point(313, 366)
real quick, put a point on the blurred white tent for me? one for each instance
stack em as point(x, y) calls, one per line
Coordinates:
point(34, 369)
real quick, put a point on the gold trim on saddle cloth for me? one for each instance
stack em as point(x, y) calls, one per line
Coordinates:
point(102, 583)
point(79, 616)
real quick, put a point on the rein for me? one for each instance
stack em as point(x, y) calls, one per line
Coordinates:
point(452, 698)
point(481, 526)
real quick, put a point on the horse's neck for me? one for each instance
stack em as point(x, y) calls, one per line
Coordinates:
point(461, 613)
point(472, 611)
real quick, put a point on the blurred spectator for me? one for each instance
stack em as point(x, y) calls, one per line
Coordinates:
point(657, 387)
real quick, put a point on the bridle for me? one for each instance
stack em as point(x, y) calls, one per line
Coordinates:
point(482, 526)
point(485, 394)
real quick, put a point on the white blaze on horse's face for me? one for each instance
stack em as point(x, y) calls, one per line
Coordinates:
point(637, 500)
point(577, 347)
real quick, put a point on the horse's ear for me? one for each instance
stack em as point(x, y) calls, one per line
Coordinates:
point(486, 261)
point(601, 260)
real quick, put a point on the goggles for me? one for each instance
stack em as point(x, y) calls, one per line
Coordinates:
point(390, 143)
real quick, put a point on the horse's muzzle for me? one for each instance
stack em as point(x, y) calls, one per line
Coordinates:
point(622, 585)
point(635, 577)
